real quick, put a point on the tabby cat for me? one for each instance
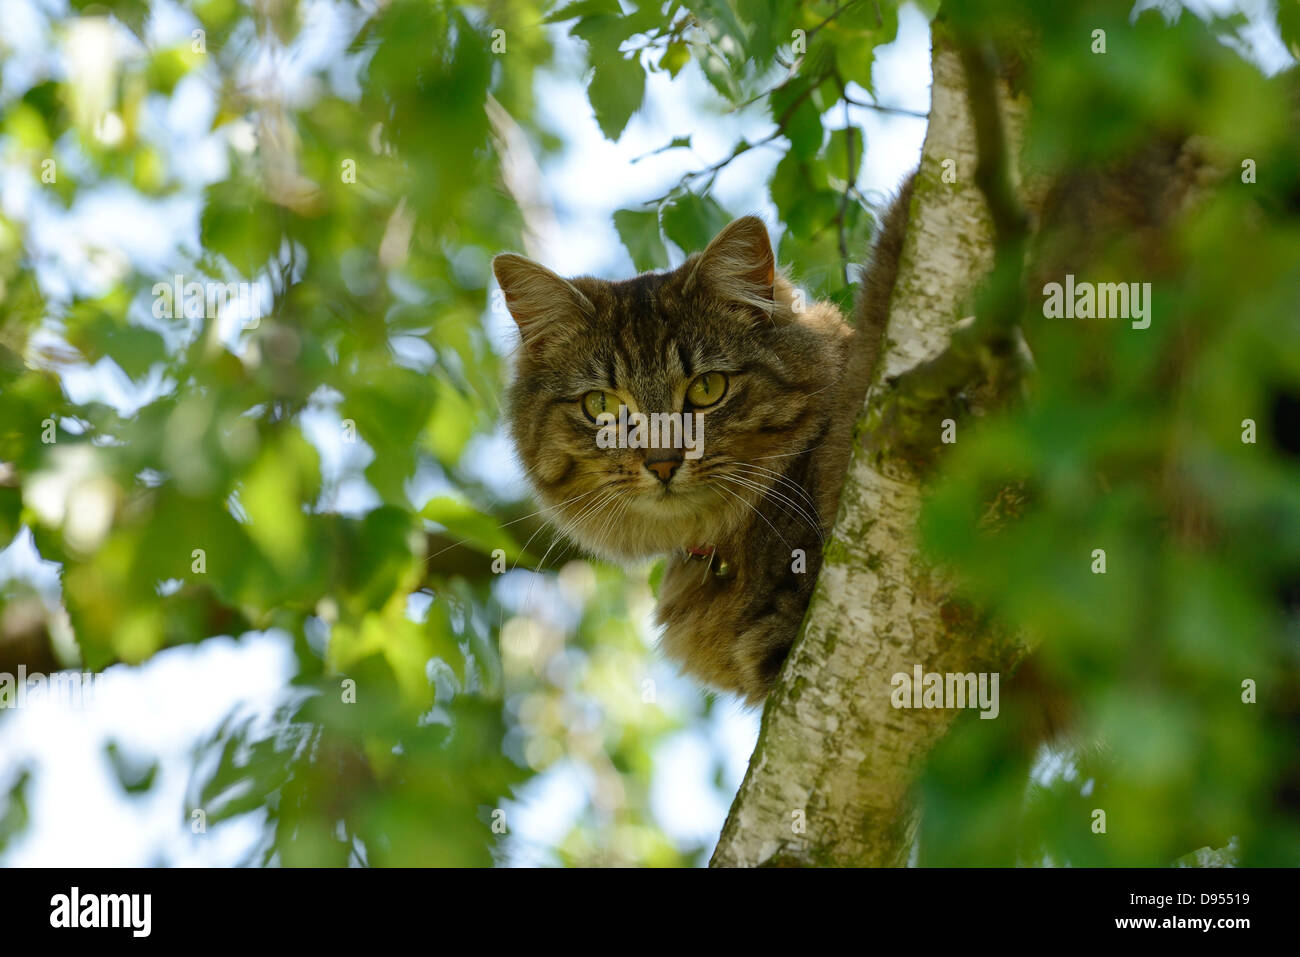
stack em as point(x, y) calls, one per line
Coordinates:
point(778, 385)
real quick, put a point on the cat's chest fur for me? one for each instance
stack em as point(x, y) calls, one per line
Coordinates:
point(731, 616)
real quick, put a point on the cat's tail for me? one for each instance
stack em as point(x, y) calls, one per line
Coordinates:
point(871, 310)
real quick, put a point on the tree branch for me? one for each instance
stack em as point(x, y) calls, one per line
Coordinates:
point(987, 356)
point(830, 778)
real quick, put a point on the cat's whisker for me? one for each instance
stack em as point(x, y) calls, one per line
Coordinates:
point(610, 526)
point(752, 508)
point(524, 550)
point(785, 481)
point(780, 479)
point(513, 521)
point(567, 526)
point(765, 481)
point(605, 527)
point(764, 492)
point(566, 530)
point(618, 516)
point(786, 455)
point(564, 526)
point(787, 507)
point(829, 385)
point(731, 465)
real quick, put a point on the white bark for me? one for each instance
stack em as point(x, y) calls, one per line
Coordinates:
point(829, 779)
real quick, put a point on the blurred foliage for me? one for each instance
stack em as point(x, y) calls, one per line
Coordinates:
point(1136, 441)
point(365, 200)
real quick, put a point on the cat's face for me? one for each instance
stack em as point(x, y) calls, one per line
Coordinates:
point(716, 339)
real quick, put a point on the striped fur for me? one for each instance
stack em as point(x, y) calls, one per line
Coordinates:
point(775, 447)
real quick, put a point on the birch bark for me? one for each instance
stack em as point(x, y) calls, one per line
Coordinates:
point(829, 780)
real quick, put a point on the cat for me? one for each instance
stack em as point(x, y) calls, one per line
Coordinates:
point(777, 385)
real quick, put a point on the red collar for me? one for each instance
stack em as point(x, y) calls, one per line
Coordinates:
point(701, 551)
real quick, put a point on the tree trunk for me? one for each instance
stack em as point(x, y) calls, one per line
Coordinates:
point(830, 778)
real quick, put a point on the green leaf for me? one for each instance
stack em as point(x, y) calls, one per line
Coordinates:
point(820, 250)
point(803, 122)
point(802, 197)
point(657, 576)
point(452, 422)
point(616, 90)
point(133, 348)
point(376, 557)
point(167, 67)
point(770, 26)
point(793, 180)
point(676, 56)
point(240, 225)
point(691, 221)
point(11, 507)
point(14, 812)
point(133, 13)
point(640, 234)
point(722, 17)
point(1288, 24)
point(583, 8)
point(135, 774)
point(282, 482)
point(403, 645)
point(477, 529)
point(845, 145)
point(718, 72)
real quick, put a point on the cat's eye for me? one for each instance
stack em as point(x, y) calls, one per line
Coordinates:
point(706, 390)
point(595, 402)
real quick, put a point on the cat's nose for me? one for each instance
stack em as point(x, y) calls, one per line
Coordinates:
point(664, 462)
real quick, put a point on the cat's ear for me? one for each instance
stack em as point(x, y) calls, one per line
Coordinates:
point(738, 265)
point(541, 302)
